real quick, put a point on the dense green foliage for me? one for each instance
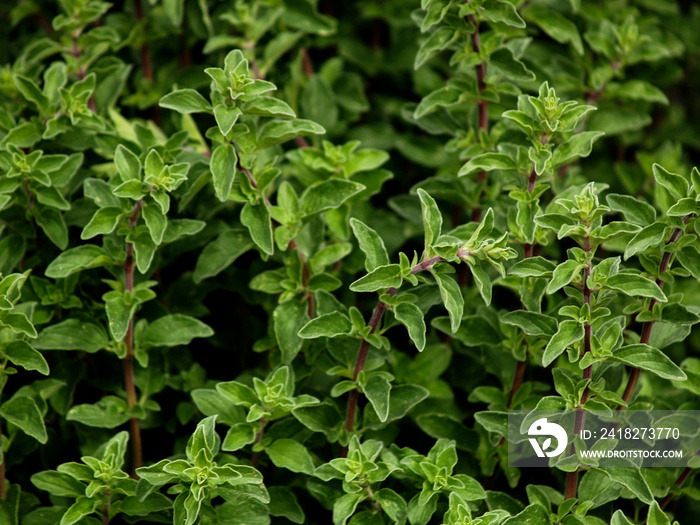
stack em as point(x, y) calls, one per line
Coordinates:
point(272, 261)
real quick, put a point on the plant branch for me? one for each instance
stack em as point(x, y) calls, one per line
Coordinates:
point(647, 327)
point(134, 427)
point(144, 49)
point(311, 307)
point(483, 103)
point(3, 475)
point(258, 438)
point(679, 481)
point(362, 352)
point(580, 421)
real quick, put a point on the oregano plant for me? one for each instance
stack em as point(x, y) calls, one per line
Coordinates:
point(273, 261)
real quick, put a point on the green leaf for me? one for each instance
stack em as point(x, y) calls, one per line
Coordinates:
point(53, 225)
point(635, 286)
point(77, 259)
point(226, 117)
point(649, 236)
point(72, 334)
point(452, 299)
point(371, 245)
point(174, 330)
point(637, 90)
point(634, 210)
point(676, 185)
point(563, 275)
point(223, 170)
point(108, 412)
point(689, 258)
point(319, 103)
point(238, 393)
point(21, 353)
point(568, 333)
point(324, 417)
point(473, 331)
point(503, 61)
point(22, 412)
point(288, 319)
point(650, 359)
point(212, 402)
point(128, 164)
point(402, 399)
point(535, 513)
point(58, 484)
point(221, 253)
point(443, 97)
point(532, 323)
point(185, 101)
point(269, 107)
point(284, 503)
point(619, 518)
point(156, 222)
point(432, 218)
point(380, 278)
point(483, 283)
point(501, 11)
point(377, 389)
point(656, 516)
point(256, 217)
point(345, 506)
point(496, 422)
point(18, 323)
point(327, 195)
point(555, 25)
point(103, 222)
point(119, 312)
point(238, 436)
point(279, 131)
point(580, 145)
point(411, 317)
point(488, 162)
point(82, 507)
point(687, 206)
point(328, 325)
point(31, 92)
point(292, 455)
point(632, 479)
point(532, 267)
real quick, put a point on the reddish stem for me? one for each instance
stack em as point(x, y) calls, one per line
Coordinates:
point(647, 327)
point(580, 421)
point(3, 475)
point(144, 50)
point(483, 103)
point(258, 438)
point(134, 426)
point(363, 351)
point(306, 63)
point(681, 479)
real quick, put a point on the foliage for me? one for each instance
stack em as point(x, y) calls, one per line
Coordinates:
point(214, 213)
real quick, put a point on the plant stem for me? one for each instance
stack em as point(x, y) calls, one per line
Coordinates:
point(134, 426)
point(105, 509)
point(647, 327)
point(580, 421)
point(311, 308)
point(681, 479)
point(483, 103)
point(258, 438)
point(144, 49)
point(362, 352)
point(3, 486)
